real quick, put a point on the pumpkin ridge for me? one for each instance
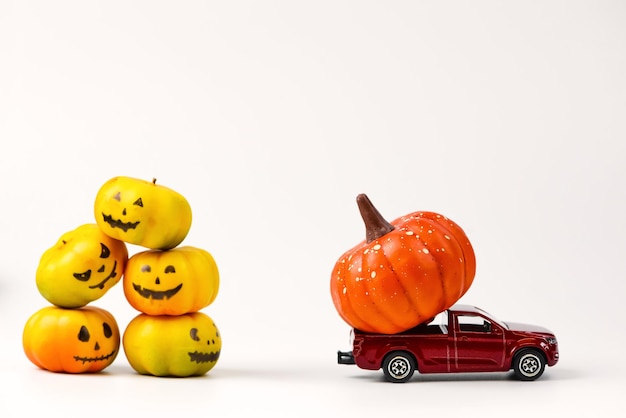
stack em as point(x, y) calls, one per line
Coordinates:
point(420, 246)
point(407, 294)
point(368, 312)
point(348, 312)
point(385, 310)
point(452, 230)
point(358, 295)
point(440, 269)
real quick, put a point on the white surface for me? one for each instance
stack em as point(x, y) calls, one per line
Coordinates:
point(270, 117)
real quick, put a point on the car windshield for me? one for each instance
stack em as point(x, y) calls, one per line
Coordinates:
point(493, 318)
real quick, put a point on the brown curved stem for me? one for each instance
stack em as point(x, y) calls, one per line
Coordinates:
point(375, 225)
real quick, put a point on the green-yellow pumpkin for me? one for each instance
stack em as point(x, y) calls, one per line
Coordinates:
point(82, 340)
point(142, 213)
point(172, 282)
point(81, 267)
point(181, 346)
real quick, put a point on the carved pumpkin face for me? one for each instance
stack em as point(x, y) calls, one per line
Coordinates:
point(183, 345)
point(83, 340)
point(173, 282)
point(404, 273)
point(142, 213)
point(81, 267)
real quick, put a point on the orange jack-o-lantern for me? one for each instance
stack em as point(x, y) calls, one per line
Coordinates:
point(404, 273)
point(81, 267)
point(183, 345)
point(142, 213)
point(82, 340)
point(173, 282)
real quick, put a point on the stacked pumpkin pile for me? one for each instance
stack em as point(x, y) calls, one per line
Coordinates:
point(404, 273)
point(166, 283)
point(169, 284)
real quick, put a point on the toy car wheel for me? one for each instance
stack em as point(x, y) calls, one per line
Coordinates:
point(529, 365)
point(398, 367)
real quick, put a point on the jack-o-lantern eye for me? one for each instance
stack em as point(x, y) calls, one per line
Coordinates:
point(146, 268)
point(105, 252)
point(83, 334)
point(83, 277)
point(170, 269)
point(138, 202)
point(108, 332)
point(118, 197)
point(193, 332)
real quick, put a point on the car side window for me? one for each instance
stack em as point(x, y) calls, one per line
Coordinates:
point(473, 323)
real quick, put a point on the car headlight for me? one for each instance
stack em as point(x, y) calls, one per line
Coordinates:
point(551, 340)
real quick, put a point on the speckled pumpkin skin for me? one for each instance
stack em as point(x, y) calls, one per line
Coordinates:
point(180, 346)
point(404, 277)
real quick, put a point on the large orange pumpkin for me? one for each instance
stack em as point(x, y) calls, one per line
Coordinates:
point(404, 272)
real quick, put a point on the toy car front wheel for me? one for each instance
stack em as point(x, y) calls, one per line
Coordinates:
point(529, 365)
point(398, 367)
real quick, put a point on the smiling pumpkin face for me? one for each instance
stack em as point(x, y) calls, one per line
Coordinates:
point(184, 345)
point(81, 267)
point(83, 340)
point(173, 282)
point(142, 213)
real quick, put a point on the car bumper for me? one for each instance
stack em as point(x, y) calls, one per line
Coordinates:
point(345, 357)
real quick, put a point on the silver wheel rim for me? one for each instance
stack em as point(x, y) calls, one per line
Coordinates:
point(399, 367)
point(529, 365)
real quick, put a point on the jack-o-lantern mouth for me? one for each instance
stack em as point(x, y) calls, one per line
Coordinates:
point(156, 294)
point(110, 276)
point(117, 223)
point(93, 359)
point(199, 357)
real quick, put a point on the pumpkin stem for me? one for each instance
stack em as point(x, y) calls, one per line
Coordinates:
point(153, 180)
point(375, 225)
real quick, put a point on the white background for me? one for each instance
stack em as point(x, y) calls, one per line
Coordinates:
point(270, 117)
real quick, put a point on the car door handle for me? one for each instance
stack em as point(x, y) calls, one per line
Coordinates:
point(464, 339)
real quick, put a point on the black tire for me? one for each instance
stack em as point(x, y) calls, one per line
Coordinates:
point(529, 364)
point(398, 366)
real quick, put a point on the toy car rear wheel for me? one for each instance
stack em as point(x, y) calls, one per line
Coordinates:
point(398, 367)
point(529, 364)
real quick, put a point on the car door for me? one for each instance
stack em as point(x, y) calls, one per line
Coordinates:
point(478, 344)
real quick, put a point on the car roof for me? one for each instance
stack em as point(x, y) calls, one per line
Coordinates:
point(465, 308)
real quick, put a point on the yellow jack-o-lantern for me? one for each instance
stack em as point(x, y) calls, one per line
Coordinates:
point(82, 340)
point(173, 282)
point(183, 345)
point(81, 267)
point(142, 213)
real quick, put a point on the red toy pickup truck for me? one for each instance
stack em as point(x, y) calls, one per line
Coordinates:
point(466, 340)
